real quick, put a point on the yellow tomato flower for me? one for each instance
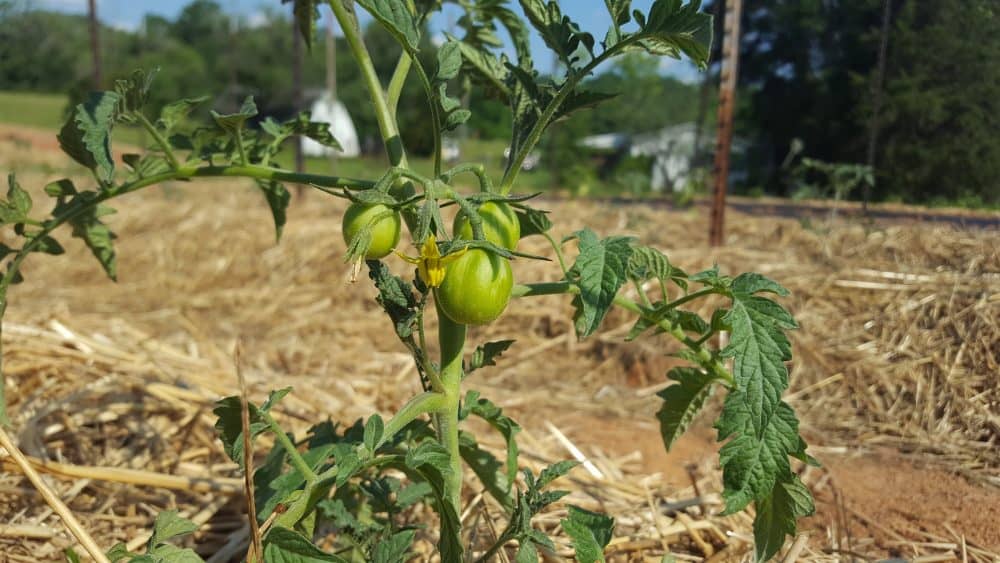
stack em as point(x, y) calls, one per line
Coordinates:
point(430, 263)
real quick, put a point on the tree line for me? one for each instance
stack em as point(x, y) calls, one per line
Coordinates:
point(807, 71)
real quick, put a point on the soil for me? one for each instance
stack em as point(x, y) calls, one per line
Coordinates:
point(884, 495)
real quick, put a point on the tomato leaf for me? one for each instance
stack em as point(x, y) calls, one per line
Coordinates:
point(431, 461)
point(305, 12)
point(98, 237)
point(488, 411)
point(682, 401)
point(776, 516)
point(278, 197)
point(486, 355)
point(559, 32)
point(449, 59)
point(533, 221)
point(394, 549)
point(174, 113)
point(230, 422)
point(396, 18)
point(673, 28)
point(234, 122)
point(282, 545)
point(590, 533)
point(599, 271)
point(86, 135)
point(169, 525)
point(487, 468)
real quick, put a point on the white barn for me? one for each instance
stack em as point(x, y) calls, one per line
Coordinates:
point(330, 110)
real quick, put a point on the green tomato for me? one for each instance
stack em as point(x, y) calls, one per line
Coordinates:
point(476, 287)
point(500, 225)
point(385, 230)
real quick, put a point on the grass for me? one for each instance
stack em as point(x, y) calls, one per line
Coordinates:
point(44, 111)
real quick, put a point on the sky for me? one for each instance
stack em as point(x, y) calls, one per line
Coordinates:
point(591, 15)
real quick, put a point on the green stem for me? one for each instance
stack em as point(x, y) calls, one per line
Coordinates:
point(398, 80)
point(427, 402)
point(705, 358)
point(383, 114)
point(244, 160)
point(293, 453)
point(168, 152)
point(558, 251)
point(435, 116)
point(451, 337)
point(514, 166)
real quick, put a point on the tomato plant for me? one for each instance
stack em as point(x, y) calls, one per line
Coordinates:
point(308, 480)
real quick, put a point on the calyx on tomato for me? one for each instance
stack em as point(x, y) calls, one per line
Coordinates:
point(500, 224)
point(385, 227)
point(476, 287)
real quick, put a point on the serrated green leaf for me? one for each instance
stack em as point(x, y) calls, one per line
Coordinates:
point(146, 165)
point(394, 549)
point(166, 553)
point(599, 271)
point(488, 411)
point(431, 461)
point(488, 469)
point(49, 245)
point(118, 552)
point(777, 514)
point(98, 237)
point(61, 188)
point(581, 99)
point(306, 12)
point(673, 28)
point(559, 32)
point(682, 401)
point(590, 533)
point(526, 553)
point(533, 221)
point(174, 113)
point(18, 199)
point(169, 525)
point(86, 136)
point(133, 91)
point(759, 349)
point(396, 18)
point(230, 421)
point(234, 122)
point(456, 118)
point(449, 58)
point(278, 197)
point(373, 431)
point(487, 67)
point(751, 283)
point(486, 355)
point(753, 462)
point(396, 297)
point(282, 545)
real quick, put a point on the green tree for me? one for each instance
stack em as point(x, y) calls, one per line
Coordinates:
point(942, 109)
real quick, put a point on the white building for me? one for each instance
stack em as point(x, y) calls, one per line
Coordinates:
point(329, 110)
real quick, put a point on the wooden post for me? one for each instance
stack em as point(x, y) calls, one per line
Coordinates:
point(727, 99)
point(95, 45)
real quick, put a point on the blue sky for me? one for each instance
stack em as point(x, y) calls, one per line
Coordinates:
point(591, 15)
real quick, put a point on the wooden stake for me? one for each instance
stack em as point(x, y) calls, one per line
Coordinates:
point(727, 99)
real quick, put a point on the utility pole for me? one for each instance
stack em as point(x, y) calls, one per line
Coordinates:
point(300, 164)
point(876, 101)
point(331, 78)
point(727, 99)
point(95, 46)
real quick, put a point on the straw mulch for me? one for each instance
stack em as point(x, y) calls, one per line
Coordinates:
point(111, 385)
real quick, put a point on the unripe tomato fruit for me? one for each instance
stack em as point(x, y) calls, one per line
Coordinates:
point(385, 231)
point(500, 225)
point(476, 287)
